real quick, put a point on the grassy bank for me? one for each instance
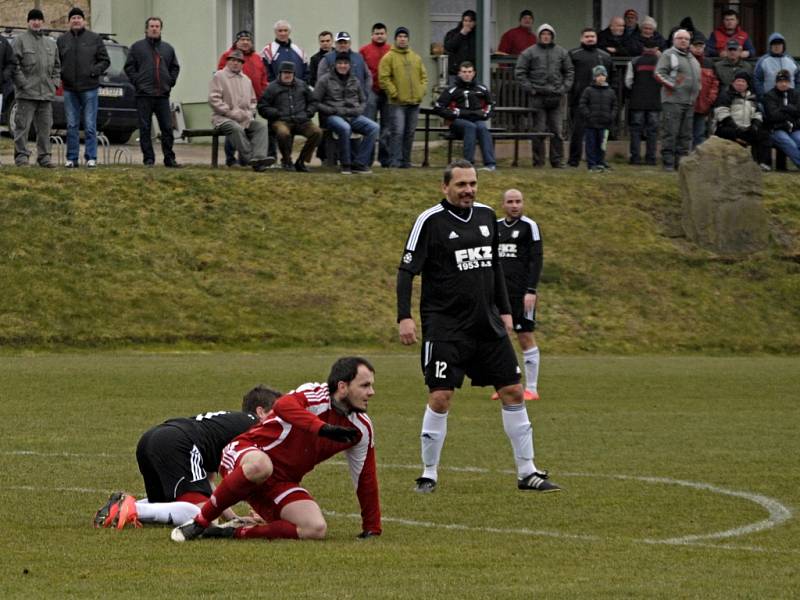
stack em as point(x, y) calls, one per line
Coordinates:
point(201, 257)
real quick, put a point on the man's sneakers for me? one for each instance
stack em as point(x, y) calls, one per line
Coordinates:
point(425, 485)
point(108, 512)
point(192, 530)
point(118, 511)
point(127, 513)
point(537, 482)
point(527, 395)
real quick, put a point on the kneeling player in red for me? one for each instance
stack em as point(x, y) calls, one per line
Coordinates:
point(265, 465)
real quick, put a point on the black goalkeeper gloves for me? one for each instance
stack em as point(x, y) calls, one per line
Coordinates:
point(339, 434)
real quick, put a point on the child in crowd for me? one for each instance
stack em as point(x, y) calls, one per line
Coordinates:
point(598, 106)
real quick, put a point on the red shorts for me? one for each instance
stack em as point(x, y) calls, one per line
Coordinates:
point(271, 496)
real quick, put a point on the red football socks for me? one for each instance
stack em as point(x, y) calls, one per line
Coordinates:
point(232, 489)
point(271, 531)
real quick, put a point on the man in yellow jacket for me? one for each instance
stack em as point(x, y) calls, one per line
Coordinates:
point(404, 79)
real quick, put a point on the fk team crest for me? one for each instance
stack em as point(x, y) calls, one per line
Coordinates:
point(484, 230)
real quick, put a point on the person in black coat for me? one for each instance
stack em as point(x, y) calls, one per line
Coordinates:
point(153, 69)
point(598, 107)
point(782, 116)
point(459, 44)
point(8, 65)
point(584, 58)
point(84, 59)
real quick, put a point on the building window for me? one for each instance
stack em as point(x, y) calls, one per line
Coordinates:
point(243, 16)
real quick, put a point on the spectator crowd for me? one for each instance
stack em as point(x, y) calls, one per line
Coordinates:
point(679, 88)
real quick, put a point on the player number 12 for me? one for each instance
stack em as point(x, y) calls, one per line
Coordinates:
point(441, 366)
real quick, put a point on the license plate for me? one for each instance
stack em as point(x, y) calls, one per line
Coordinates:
point(110, 92)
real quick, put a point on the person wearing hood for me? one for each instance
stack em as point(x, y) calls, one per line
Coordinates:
point(459, 44)
point(282, 49)
point(647, 30)
point(466, 106)
point(598, 106)
point(739, 119)
point(341, 99)
point(36, 77)
point(782, 116)
point(545, 72)
point(584, 58)
point(727, 67)
point(288, 105)
point(254, 68)
point(152, 67)
point(679, 75)
point(776, 59)
point(404, 79)
point(709, 89)
point(717, 44)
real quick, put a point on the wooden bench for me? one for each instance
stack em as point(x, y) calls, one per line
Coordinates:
point(214, 134)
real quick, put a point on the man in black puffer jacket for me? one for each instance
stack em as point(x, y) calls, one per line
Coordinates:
point(288, 104)
point(153, 70)
point(83, 60)
point(466, 106)
point(598, 107)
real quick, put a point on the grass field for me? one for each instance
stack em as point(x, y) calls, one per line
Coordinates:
point(680, 474)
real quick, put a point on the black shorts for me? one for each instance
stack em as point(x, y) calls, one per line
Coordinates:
point(522, 321)
point(485, 362)
point(171, 464)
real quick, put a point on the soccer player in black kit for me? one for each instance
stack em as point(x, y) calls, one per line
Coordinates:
point(520, 253)
point(466, 317)
point(178, 460)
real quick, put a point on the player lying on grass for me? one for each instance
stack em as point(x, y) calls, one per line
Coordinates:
point(178, 460)
point(265, 465)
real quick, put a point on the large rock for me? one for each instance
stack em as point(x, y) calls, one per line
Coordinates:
point(721, 189)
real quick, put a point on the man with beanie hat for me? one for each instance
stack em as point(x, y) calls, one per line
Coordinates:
point(377, 103)
point(727, 67)
point(709, 89)
point(404, 79)
point(517, 39)
point(584, 58)
point(289, 105)
point(35, 80)
point(84, 59)
point(341, 100)
point(152, 66)
point(254, 68)
point(233, 107)
point(782, 116)
point(679, 75)
point(545, 71)
point(739, 119)
point(459, 44)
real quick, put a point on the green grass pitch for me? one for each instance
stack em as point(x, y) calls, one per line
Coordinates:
point(680, 473)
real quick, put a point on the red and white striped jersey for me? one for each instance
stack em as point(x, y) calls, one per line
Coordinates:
point(290, 436)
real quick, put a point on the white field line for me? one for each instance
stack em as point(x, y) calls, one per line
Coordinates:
point(777, 513)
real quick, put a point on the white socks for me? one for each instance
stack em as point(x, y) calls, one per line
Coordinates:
point(531, 358)
point(174, 513)
point(518, 428)
point(434, 430)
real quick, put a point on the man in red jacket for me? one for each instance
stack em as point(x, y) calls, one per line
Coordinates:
point(266, 464)
point(377, 103)
point(516, 39)
point(709, 89)
point(253, 67)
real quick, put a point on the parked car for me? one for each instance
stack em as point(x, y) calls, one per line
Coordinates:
point(116, 116)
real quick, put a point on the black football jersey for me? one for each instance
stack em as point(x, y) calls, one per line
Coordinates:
point(212, 431)
point(520, 253)
point(456, 258)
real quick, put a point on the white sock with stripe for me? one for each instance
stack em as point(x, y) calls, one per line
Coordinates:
point(531, 359)
point(518, 428)
point(434, 430)
point(174, 513)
